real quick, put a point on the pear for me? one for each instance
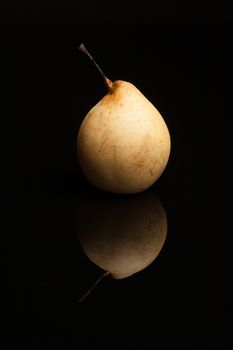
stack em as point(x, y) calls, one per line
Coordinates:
point(123, 142)
point(122, 235)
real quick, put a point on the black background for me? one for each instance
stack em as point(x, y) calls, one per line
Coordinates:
point(179, 58)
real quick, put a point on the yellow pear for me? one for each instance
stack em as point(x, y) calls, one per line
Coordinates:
point(123, 142)
point(122, 235)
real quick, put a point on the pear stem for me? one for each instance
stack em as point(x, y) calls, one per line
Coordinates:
point(106, 273)
point(107, 81)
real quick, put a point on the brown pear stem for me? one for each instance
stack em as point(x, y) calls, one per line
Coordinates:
point(107, 81)
point(106, 273)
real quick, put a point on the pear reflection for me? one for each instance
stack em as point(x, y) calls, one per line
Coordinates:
point(122, 235)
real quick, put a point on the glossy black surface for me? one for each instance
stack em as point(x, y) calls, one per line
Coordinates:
point(184, 296)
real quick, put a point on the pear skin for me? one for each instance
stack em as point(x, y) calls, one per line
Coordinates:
point(123, 143)
point(122, 235)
